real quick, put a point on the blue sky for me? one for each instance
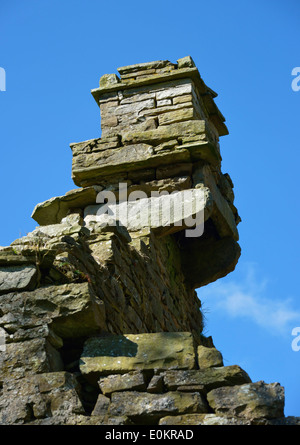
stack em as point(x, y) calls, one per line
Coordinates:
point(54, 53)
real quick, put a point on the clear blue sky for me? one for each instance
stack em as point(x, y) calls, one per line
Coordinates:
point(55, 52)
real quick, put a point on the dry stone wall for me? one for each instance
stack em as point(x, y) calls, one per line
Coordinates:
point(100, 322)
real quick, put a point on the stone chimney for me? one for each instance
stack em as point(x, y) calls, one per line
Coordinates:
point(99, 315)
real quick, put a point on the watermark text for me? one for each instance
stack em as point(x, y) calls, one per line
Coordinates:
point(2, 79)
point(296, 80)
point(296, 340)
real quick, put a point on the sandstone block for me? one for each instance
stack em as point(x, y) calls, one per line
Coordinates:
point(158, 64)
point(54, 210)
point(39, 396)
point(101, 407)
point(124, 353)
point(164, 214)
point(210, 378)
point(29, 357)
point(250, 401)
point(148, 408)
point(201, 419)
point(108, 79)
point(172, 117)
point(165, 133)
point(185, 62)
point(72, 309)
point(209, 357)
point(132, 381)
point(19, 278)
point(156, 384)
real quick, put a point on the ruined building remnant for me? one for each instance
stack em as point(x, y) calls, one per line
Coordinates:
point(99, 315)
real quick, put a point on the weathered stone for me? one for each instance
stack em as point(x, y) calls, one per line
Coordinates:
point(107, 123)
point(182, 99)
point(210, 378)
point(148, 408)
point(163, 102)
point(219, 257)
point(108, 79)
point(181, 115)
point(201, 419)
point(143, 66)
point(101, 407)
point(73, 310)
point(164, 214)
point(251, 401)
point(94, 145)
point(121, 354)
point(134, 108)
point(170, 171)
point(156, 384)
point(137, 97)
point(39, 396)
point(29, 357)
point(79, 419)
point(185, 62)
point(191, 388)
point(132, 381)
point(223, 216)
point(170, 91)
point(165, 133)
point(55, 209)
point(124, 159)
point(203, 150)
point(138, 74)
point(19, 278)
point(209, 357)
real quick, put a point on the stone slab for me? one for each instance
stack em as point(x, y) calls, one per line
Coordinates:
point(17, 278)
point(113, 354)
point(210, 378)
point(148, 408)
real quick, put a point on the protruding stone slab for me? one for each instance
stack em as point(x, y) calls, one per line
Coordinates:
point(124, 353)
point(164, 214)
point(251, 401)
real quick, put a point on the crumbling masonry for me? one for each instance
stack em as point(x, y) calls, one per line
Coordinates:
point(100, 321)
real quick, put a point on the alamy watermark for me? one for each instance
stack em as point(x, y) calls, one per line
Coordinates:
point(162, 209)
point(296, 340)
point(296, 81)
point(2, 79)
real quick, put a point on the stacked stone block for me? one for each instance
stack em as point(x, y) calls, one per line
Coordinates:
point(100, 322)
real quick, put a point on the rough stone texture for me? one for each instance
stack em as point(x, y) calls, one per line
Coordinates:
point(208, 378)
point(39, 396)
point(209, 357)
point(148, 408)
point(250, 401)
point(201, 419)
point(121, 354)
point(100, 323)
point(16, 278)
point(133, 381)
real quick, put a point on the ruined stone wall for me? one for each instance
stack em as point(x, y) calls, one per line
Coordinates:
point(100, 322)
